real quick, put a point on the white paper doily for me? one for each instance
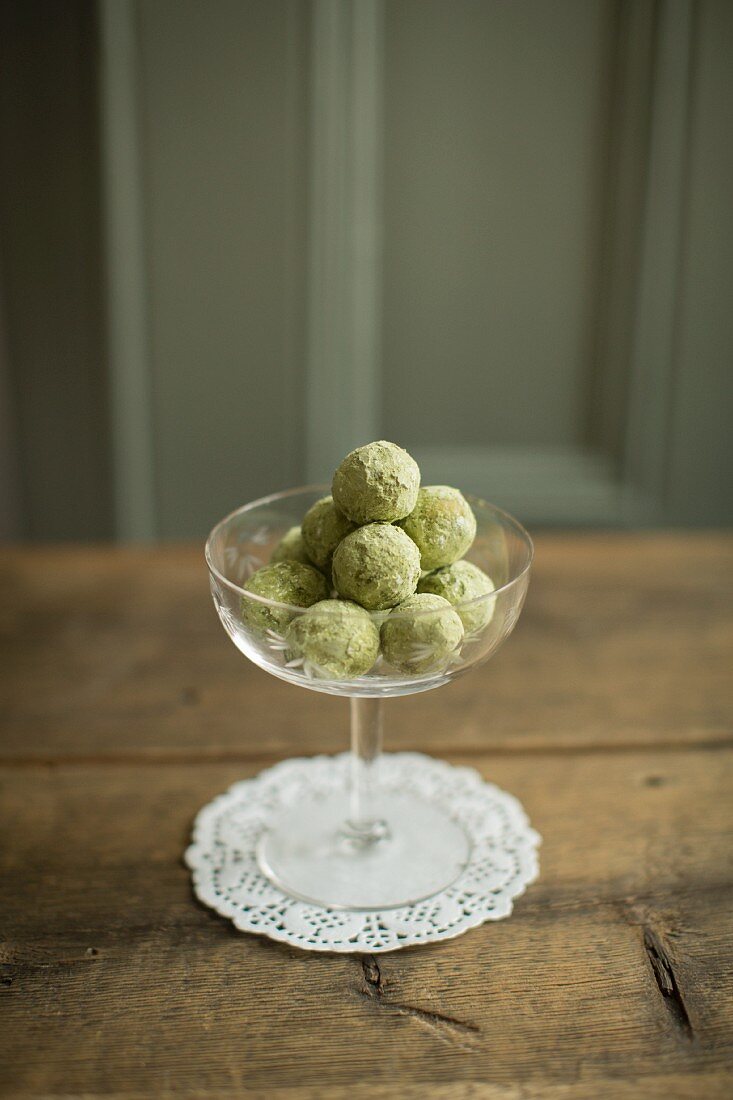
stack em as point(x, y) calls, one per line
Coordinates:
point(226, 875)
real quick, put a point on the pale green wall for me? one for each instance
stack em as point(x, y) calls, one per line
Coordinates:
point(550, 323)
point(700, 477)
point(223, 103)
point(496, 124)
point(534, 163)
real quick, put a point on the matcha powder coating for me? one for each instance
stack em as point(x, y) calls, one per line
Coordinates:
point(442, 525)
point(323, 529)
point(421, 634)
point(377, 566)
point(291, 548)
point(335, 639)
point(376, 483)
point(289, 582)
point(463, 583)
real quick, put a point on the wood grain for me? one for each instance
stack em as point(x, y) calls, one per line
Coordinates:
point(108, 949)
point(625, 641)
point(614, 977)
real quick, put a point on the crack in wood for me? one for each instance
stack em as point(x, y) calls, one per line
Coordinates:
point(666, 980)
point(372, 976)
point(435, 1019)
point(196, 757)
point(446, 1027)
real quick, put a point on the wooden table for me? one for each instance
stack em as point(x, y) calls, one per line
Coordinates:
point(124, 708)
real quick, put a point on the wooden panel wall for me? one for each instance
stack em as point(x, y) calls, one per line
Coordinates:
point(497, 135)
point(223, 108)
point(500, 233)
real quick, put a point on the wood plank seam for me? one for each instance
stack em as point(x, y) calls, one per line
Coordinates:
point(156, 758)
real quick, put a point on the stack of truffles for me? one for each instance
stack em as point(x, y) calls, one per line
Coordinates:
point(378, 566)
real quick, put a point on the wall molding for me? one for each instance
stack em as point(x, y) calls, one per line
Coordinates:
point(629, 125)
point(344, 232)
point(648, 419)
point(642, 255)
point(620, 476)
point(543, 485)
point(128, 340)
point(618, 479)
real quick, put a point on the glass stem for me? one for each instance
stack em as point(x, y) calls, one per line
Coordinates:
point(364, 825)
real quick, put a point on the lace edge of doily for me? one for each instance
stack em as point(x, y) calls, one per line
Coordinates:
point(272, 932)
point(528, 840)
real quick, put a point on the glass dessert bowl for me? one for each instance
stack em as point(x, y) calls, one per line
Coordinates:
point(365, 847)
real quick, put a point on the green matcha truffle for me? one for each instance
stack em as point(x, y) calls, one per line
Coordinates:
point(333, 639)
point(377, 566)
point(291, 548)
point(289, 582)
point(442, 525)
point(323, 529)
point(376, 483)
point(421, 634)
point(458, 584)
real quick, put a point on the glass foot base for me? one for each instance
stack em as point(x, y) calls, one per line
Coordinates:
point(308, 853)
